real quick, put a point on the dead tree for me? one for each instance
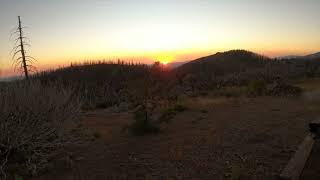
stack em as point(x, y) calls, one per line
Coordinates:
point(21, 61)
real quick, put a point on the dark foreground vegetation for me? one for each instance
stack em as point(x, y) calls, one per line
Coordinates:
point(36, 117)
point(34, 121)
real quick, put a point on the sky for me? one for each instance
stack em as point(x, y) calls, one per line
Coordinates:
point(65, 31)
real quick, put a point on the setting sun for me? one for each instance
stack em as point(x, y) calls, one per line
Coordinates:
point(159, 88)
point(165, 62)
point(165, 58)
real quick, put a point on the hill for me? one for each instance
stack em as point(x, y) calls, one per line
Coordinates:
point(104, 84)
point(128, 82)
point(11, 78)
point(224, 63)
point(313, 56)
point(176, 64)
point(235, 67)
point(239, 67)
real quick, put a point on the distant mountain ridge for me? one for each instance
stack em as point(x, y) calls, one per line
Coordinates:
point(313, 56)
point(11, 78)
point(307, 57)
point(176, 64)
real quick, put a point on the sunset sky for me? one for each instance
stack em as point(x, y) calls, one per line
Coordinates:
point(64, 31)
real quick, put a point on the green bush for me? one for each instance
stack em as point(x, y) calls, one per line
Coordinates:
point(167, 115)
point(179, 108)
point(236, 172)
point(257, 87)
point(96, 135)
point(142, 124)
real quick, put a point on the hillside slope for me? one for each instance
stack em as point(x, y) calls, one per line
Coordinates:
point(313, 56)
point(224, 63)
point(106, 84)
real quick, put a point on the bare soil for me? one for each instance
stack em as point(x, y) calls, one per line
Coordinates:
point(312, 168)
point(216, 138)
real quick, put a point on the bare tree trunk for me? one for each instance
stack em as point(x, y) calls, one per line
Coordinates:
point(25, 69)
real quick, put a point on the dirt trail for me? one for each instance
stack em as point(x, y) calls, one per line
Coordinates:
point(212, 140)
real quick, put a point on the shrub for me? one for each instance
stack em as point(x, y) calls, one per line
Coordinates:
point(96, 135)
point(284, 89)
point(236, 172)
point(33, 123)
point(102, 105)
point(179, 108)
point(257, 87)
point(142, 124)
point(167, 115)
point(204, 111)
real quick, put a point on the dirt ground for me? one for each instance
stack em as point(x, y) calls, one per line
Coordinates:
point(217, 138)
point(312, 168)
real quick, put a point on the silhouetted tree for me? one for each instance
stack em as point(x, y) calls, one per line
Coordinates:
point(23, 62)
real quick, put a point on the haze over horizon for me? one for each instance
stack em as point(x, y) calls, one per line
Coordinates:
point(62, 31)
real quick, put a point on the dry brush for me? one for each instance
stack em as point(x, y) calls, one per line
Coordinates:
point(33, 122)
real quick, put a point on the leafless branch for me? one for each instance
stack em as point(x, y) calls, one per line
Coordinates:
point(20, 43)
point(14, 55)
point(30, 57)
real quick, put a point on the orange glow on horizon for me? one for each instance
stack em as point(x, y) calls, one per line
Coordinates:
point(46, 62)
point(148, 31)
point(164, 62)
point(166, 58)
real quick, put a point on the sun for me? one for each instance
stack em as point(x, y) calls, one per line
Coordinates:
point(164, 62)
point(165, 58)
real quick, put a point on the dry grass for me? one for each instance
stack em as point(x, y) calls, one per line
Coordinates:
point(311, 93)
point(308, 84)
point(200, 103)
point(33, 122)
point(251, 140)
